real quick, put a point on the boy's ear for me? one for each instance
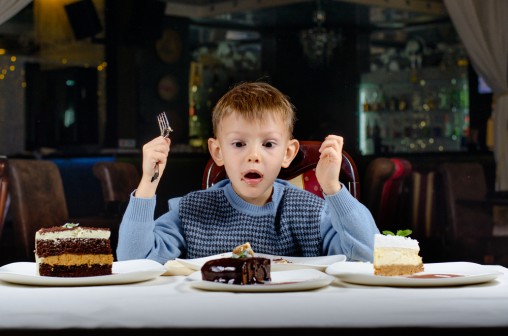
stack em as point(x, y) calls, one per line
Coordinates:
point(291, 151)
point(215, 152)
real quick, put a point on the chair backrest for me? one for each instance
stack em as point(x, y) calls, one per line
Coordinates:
point(118, 180)
point(386, 192)
point(4, 183)
point(37, 200)
point(301, 172)
point(424, 209)
point(465, 181)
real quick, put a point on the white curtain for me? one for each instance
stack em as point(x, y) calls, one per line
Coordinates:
point(9, 8)
point(483, 28)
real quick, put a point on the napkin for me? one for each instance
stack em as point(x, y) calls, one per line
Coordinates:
point(173, 267)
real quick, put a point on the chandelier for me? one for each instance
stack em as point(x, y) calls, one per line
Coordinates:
point(318, 43)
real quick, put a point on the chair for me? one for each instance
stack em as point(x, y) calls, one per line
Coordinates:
point(38, 200)
point(4, 182)
point(468, 218)
point(386, 192)
point(118, 180)
point(301, 172)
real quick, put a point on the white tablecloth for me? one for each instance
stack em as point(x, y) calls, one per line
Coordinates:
point(169, 302)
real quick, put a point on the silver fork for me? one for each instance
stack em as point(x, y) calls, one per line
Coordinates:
point(163, 121)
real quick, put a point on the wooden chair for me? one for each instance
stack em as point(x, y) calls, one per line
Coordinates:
point(4, 183)
point(38, 200)
point(301, 172)
point(118, 180)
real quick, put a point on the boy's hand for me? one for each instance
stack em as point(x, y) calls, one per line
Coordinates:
point(329, 165)
point(154, 152)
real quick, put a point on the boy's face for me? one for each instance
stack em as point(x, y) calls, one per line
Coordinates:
point(253, 153)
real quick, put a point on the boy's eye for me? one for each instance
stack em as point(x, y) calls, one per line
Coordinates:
point(269, 144)
point(238, 144)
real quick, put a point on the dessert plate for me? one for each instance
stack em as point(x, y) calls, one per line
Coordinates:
point(434, 275)
point(279, 263)
point(124, 272)
point(284, 281)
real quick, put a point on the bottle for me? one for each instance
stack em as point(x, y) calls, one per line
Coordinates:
point(368, 130)
point(464, 97)
point(376, 136)
point(448, 129)
point(454, 96)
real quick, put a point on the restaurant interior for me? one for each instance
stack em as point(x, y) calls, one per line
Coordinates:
point(82, 81)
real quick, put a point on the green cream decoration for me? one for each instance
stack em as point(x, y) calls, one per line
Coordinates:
point(403, 233)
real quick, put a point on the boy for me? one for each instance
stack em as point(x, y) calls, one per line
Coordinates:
point(253, 125)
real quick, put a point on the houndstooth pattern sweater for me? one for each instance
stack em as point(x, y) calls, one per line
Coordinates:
point(212, 225)
point(292, 223)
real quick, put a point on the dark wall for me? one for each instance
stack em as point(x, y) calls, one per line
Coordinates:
point(135, 70)
point(325, 98)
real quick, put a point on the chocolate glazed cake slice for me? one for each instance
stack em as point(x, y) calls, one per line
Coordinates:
point(243, 268)
point(244, 271)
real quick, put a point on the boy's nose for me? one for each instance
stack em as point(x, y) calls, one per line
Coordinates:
point(253, 156)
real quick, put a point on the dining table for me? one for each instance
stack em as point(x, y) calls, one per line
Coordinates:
point(172, 305)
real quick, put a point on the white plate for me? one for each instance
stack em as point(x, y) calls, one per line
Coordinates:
point(467, 274)
point(129, 271)
point(284, 281)
point(294, 263)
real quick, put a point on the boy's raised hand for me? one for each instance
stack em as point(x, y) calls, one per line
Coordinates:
point(329, 165)
point(154, 152)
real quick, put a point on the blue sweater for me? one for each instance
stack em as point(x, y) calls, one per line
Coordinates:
point(338, 225)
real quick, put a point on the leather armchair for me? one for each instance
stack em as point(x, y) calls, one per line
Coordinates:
point(38, 200)
point(118, 180)
point(386, 192)
point(4, 192)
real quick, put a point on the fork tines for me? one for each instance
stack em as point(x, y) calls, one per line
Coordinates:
point(164, 124)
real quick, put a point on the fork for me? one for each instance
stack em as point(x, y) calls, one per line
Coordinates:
point(163, 121)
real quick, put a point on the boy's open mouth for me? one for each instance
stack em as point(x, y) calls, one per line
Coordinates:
point(252, 175)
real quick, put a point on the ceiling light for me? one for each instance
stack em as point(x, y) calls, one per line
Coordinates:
point(318, 43)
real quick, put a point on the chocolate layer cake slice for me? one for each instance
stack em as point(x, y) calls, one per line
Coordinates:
point(73, 251)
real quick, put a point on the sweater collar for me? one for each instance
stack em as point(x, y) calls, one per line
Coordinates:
point(269, 208)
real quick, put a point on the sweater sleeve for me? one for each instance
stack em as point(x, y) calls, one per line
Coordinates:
point(347, 227)
point(142, 237)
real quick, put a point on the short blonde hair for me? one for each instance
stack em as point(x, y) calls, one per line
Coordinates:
point(254, 101)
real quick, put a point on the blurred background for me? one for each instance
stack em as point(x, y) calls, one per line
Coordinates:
point(82, 81)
